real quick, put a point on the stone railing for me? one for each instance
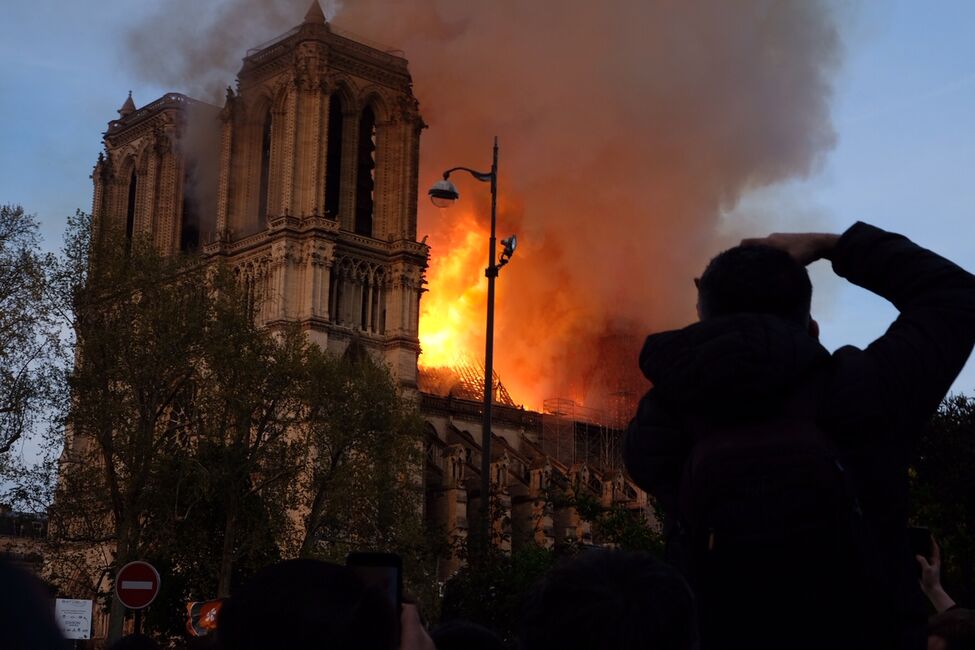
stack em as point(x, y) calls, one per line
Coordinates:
point(474, 410)
point(169, 100)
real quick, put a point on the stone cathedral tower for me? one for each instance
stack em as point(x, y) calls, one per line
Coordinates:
point(305, 182)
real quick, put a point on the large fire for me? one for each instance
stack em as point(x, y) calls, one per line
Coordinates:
point(452, 311)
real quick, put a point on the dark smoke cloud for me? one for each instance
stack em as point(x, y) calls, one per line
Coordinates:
point(196, 47)
point(627, 129)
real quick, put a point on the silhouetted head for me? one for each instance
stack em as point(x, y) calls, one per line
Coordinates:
point(464, 635)
point(26, 612)
point(307, 604)
point(612, 600)
point(757, 280)
point(952, 630)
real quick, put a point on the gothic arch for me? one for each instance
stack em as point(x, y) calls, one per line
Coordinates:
point(335, 150)
point(372, 97)
point(345, 89)
point(259, 120)
point(366, 170)
point(281, 94)
point(130, 183)
point(357, 294)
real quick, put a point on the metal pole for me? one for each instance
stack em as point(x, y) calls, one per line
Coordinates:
point(492, 273)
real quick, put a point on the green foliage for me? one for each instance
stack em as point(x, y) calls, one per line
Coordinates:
point(490, 591)
point(943, 492)
point(139, 322)
point(29, 340)
point(617, 526)
point(213, 446)
point(362, 489)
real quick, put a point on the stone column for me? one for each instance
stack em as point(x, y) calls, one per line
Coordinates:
point(283, 154)
point(367, 290)
point(101, 179)
point(169, 210)
point(350, 157)
point(386, 193)
point(226, 149)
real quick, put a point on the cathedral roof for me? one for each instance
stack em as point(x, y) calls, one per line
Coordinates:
point(128, 107)
point(315, 13)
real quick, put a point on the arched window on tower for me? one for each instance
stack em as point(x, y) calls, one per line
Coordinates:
point(130, 209)
point(365, 180)
point(265, 171)
point(333, 157)
point(189, 231)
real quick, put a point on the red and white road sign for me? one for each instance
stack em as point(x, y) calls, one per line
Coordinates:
point(137, 584)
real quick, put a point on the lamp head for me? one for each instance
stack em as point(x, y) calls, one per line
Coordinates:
point(510, 244)
point(443, 193)
point(508, 249)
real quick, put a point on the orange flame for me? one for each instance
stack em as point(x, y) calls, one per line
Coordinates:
point(453, 310)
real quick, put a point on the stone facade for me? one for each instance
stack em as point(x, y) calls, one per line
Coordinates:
point(523, 477)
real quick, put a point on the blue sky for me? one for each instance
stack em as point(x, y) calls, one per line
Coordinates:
point(904, 112)
point(905, 159)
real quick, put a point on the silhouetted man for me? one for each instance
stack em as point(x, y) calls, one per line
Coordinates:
point(782, 468)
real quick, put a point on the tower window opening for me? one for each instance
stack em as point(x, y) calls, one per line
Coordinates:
point(189, 232)
point(130, 210)
point(333, 156)
point(265, 171)
point(364, 302)
point(366, 173)
point(337, 312)
point(378, 308)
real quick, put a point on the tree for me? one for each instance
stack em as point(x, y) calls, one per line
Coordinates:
point(491, 588)
point(615, 525)
point(361, 485)
point(943, 492)
point(138, 320)
point(29, 339)
point(243, 429)
point(179, 426)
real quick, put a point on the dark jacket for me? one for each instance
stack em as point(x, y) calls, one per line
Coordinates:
point(874, 403)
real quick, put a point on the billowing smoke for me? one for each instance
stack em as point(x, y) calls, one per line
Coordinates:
point(196, 47)
point(627, 129)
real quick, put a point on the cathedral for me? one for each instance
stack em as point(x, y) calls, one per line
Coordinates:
point(305, 182)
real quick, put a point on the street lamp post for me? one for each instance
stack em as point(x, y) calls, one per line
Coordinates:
point(443, 194)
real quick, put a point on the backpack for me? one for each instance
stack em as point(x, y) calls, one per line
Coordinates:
point(768, 524)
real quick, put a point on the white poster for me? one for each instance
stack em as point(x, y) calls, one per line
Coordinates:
point(74, 617)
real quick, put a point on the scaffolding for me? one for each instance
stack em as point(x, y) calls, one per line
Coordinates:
point(572, 433)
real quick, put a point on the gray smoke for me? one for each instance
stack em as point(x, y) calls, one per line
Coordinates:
point(627, 128)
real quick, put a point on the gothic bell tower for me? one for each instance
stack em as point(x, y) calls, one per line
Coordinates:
point(305, 183)
point(317, 192)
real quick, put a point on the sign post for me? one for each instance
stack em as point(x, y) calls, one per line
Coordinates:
point(136, 586)
point(74, 617)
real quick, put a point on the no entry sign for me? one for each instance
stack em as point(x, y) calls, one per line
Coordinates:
point(137, 584)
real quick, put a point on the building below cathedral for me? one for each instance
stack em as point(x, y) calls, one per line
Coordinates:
point(305, 182)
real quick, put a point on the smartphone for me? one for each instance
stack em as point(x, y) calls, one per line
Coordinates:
point(382, 570)
point(920, 539)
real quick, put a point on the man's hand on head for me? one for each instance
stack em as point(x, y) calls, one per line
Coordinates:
point(805, 247)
